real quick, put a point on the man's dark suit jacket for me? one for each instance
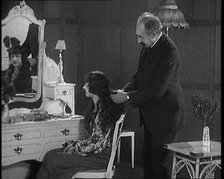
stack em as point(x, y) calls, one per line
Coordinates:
point(155, 89)
point(31, 46)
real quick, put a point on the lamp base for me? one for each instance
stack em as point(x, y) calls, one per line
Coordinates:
point(61, 79)
point(61, 82)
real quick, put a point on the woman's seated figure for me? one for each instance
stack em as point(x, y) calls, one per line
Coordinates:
point(94, 152)
point(18, 75)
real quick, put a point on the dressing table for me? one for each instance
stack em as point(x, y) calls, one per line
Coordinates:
point(30, 140)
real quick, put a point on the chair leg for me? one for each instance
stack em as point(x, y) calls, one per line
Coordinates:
point(118, 151)
point(132, 151)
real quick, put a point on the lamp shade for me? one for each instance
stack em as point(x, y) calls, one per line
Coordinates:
point(170, 15)
point(60, 45)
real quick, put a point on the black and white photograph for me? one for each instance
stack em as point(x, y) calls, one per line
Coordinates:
point(116, 89)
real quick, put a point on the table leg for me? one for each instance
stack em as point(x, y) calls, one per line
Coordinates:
point(173, 174)
point(132, 151)
point(197, 164)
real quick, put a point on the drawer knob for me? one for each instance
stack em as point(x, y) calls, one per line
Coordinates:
point(65, 132)
point(18, 150)
point(18, 136)
point(65, 92)
point(64, 145)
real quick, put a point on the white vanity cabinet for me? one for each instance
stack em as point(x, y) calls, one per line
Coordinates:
point(64, 91)
point(31, 140)
point(55, 136)
point(20, 143)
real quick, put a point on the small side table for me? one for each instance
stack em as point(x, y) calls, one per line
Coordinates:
point(200, 161)
point(64, 91)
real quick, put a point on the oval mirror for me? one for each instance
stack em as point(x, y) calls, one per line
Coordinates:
point(22, 25)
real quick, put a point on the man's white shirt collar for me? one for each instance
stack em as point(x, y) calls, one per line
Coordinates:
point(157, 39)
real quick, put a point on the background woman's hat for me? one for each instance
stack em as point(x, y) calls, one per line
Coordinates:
point(13, 45)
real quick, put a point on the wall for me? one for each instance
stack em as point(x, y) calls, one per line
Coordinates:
point(101, 35)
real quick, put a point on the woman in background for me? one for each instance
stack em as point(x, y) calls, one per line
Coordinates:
point(18, 76)
point(93, 152)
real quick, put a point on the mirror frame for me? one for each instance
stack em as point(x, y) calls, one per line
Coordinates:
point(25, 11)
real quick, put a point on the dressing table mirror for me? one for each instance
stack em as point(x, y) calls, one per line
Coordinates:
point(21, 23)
point(23, 136)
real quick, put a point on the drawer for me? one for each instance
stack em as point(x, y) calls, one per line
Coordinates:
point(17, 150)
point(51, 92)
point(53, 144)
point(49, 145)
point(19, 135)
point(64, 91)
point(63, 132)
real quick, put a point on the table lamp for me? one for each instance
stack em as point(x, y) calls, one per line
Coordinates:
point(60, 46)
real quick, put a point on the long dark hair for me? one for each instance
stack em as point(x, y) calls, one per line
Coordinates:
point(99, 84)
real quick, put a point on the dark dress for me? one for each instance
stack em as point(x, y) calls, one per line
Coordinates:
point(22, 83)
point(91, 153)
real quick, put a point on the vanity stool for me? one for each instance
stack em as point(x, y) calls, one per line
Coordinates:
point(127, 133)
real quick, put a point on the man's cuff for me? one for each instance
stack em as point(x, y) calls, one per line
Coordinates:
point(128, 97)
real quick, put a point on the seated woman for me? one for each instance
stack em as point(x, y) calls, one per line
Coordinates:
point(93, 152)
point(18, 75)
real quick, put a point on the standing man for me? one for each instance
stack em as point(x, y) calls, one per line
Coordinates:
point(155, 89)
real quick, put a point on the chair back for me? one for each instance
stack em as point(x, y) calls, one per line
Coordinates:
point(110, 171)
point(115, 142)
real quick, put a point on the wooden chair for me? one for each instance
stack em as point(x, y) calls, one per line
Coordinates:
point(110, 170)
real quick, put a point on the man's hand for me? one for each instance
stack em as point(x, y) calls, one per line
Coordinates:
point(32, 61)
point(119, 97)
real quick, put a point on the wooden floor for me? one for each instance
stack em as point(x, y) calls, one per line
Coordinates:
point(21, 171)
point(123, 171)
